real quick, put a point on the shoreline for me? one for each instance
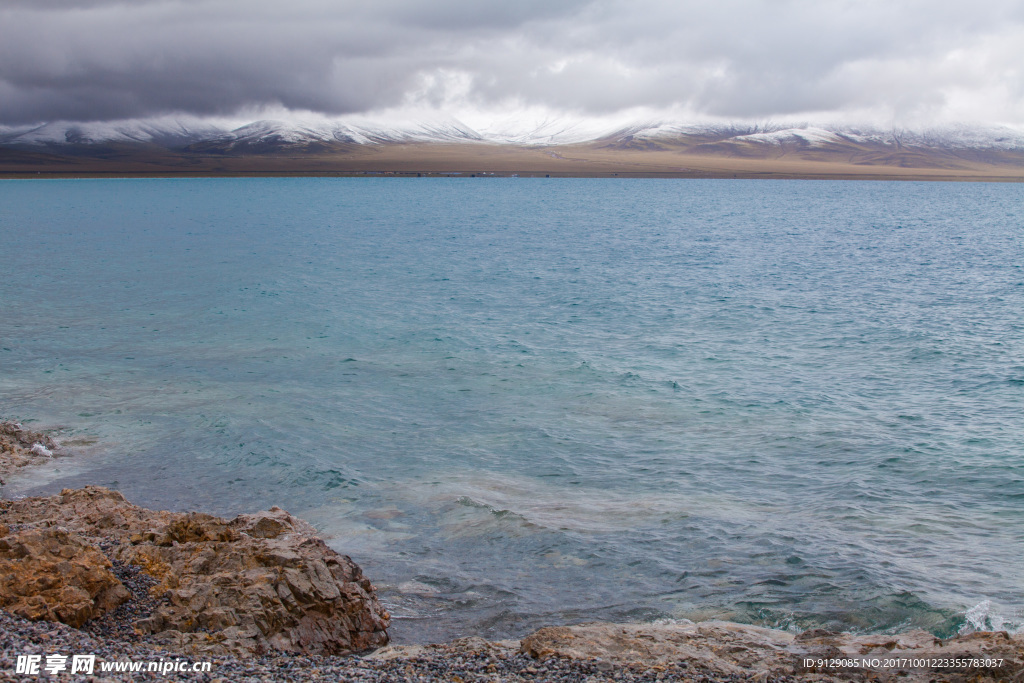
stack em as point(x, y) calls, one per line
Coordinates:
point(153, 614)
point(709, 652)
point(636, 175)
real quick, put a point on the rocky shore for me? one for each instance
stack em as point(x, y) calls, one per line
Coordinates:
point(261, 598)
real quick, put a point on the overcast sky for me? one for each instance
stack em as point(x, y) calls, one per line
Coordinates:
point(901, 61)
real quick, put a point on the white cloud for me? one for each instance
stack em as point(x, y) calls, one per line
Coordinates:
point(753, 59)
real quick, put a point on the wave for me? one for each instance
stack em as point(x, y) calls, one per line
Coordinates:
point(987, 616)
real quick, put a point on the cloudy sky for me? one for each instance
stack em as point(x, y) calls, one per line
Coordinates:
point(891, 61)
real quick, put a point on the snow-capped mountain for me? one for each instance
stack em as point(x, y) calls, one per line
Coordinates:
point(285, 133)
point(262, 135)
point(960, 136)
point(157, 131)
point(189, 140)
point(267, 135)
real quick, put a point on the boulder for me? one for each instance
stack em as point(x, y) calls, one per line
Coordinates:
point(52, 574)
point(258, 583)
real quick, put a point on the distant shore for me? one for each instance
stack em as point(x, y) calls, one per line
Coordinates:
point(664, 175)
point(483, 161)
point(117, 176)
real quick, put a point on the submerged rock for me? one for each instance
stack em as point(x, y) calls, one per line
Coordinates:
point(257, 583)
point(20, 447)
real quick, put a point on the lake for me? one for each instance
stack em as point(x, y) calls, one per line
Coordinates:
point(526, 402)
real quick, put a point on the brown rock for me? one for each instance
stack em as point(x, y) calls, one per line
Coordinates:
point(256, 583)
point(55, 575)
point(721, 647)
point(736, 649)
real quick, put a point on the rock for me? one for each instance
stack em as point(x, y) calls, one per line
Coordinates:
point(721, 647)
point(55, 575)
point(253, 584)
point(729, 649)
point(20, 447)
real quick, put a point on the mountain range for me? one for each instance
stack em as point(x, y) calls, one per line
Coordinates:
point(430, 145)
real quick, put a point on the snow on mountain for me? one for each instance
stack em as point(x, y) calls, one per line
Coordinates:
point(811, 136)
point(353, 131)
point(545, 130)
point(954, 136)
point(654, 130)
point(434, 129)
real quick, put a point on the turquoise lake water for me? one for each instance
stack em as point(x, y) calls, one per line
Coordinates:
point(526, 402)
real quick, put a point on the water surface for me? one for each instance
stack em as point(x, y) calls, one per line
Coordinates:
point(525, 402)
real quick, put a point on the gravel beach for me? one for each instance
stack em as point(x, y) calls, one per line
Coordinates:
point(468, 660)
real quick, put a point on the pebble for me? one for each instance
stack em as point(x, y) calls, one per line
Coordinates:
point(118, 622)
point(437, 663)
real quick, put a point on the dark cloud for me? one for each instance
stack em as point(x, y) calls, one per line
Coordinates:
point(99, 59)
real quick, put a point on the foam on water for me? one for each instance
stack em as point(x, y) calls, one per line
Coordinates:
point(526, 402)
point(988, 617)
